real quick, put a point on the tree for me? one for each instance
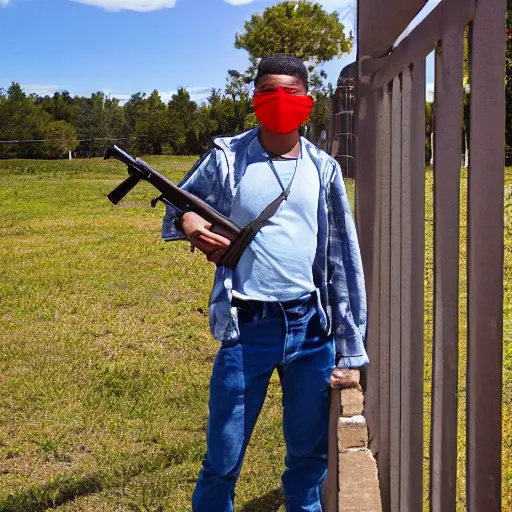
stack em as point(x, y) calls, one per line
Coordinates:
point(181, 115)
point(429, 128)
point(60, 139)
point(151, 130)
point(239, 92)
point(91, 122)
point(320, 115)
point(21, 119)
point(61, 106)
point(115, 121)
point(250, 121)
point(301, 28)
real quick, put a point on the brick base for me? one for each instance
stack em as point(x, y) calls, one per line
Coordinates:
point(358, 477)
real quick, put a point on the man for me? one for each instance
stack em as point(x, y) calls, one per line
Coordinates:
point(296, 300)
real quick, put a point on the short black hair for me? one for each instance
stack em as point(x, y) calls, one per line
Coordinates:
point(282, 64)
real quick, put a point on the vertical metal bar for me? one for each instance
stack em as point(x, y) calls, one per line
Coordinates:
point(368, 191)
point(366, 162)
point(331, 495)
point(368, 225)
point(417, 300)
point(412, 300)
point(448, 135)
point(405, 296)
point(384, 303)
point(395, 302)
point(332, 125)
point(485, 258)
point(372, 403)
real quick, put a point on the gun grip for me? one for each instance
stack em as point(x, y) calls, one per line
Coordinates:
point(121, 190)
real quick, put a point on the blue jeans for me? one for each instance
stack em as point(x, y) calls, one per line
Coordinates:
point(286, 336)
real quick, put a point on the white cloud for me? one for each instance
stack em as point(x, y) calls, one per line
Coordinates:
point(123, 98)
point(240, 2)
point(40, 90)
point(128, 5)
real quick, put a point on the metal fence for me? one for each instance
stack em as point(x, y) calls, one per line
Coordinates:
point(344, 127)
point(390, 209)
point(342, 110)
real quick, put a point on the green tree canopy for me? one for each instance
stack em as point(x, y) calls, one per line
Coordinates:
point(152, 127)
point(60, 139)
point(301, 28)
point(20, 119)
point(182, 114)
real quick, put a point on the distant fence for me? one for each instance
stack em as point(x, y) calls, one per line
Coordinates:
point(390, 205)
point(85, 148)
point(34, 148)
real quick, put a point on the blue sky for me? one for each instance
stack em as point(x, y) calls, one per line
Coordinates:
point(125, 46)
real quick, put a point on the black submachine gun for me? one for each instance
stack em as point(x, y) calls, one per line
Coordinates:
point(183, 201)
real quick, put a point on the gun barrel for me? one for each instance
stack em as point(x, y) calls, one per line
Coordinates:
point(117, 153)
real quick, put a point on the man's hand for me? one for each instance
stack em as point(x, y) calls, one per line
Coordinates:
point(345, 378)
point(197, 231)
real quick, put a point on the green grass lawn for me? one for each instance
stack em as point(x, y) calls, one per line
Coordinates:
point(105, 351)
point(507, 353)
point(507, 336)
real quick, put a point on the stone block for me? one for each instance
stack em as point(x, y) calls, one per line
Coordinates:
point(352, 402)
point(352, 433)
point(358, 480)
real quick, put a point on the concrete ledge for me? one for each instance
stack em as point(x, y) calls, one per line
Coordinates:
point(359, 485)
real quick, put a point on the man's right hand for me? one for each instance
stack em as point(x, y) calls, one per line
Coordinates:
point(197, 231)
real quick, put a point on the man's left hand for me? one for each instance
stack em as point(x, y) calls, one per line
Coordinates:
point(345, 378)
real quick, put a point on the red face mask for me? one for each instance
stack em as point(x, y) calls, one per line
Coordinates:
point(281, 111)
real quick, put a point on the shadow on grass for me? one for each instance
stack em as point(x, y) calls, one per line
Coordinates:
point(52, 494)
point(64, 488)
point(268, 503)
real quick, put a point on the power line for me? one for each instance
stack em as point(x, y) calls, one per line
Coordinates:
point(62, 140)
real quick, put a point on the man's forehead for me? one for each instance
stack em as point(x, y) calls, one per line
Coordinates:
point(285, 80)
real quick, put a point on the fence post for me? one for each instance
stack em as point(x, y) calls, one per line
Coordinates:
point(485, 258)
point(412, 294)
point(448, 135)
